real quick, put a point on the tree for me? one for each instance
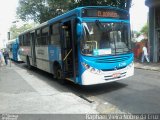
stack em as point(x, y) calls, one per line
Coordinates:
point(43, 10)
point(15, 31)
point(144, 29)
point(124, 4)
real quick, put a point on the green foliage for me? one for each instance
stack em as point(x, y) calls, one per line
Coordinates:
point(124, 4)
point(144, 29)
point(15, 31)
point(43, 10)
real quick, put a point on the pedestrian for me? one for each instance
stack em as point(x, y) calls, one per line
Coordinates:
point(1, 58)
point(144, 54)
point(6, 56)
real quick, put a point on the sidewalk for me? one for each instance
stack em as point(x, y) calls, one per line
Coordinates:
point(25, 92)
point(147, 66)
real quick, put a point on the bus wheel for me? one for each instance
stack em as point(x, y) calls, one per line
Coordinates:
point(28, 63)
point(59, 76)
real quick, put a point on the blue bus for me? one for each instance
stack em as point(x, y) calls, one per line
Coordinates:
point(13, 47)
point(88, 45)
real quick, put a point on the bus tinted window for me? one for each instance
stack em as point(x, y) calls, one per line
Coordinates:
point(45, 31)
point(20, 40)
point(38, 33)
point(26, 41)
point(42, 38)
point(111, 38)
point(55, 36)
point(45, 36)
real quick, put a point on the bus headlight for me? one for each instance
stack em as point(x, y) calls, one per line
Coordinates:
point(86, 66)
point(95, 71)
point(91, 69)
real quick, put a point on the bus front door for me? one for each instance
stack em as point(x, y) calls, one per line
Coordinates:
point(69, 48)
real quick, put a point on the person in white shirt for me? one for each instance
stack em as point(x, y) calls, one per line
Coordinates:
point(144, 54)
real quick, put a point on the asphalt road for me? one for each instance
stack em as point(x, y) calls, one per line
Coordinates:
point(137, 94)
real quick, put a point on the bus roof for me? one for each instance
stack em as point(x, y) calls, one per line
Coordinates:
point(75, 11)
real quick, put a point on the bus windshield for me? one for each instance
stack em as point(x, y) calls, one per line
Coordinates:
point(105, 38)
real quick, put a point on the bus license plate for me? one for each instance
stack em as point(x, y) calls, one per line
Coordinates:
point(116, 75)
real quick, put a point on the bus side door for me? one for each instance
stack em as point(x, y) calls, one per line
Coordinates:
point(68, 45)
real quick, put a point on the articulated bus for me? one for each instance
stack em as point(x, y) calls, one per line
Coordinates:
point(13, 47)
point(88, 45)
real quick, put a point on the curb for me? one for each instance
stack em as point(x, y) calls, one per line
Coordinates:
point(150, 68)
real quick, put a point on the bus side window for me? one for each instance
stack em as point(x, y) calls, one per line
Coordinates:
point(45, 36)
point(24, 42)
point(38, 37)
point(55, 35)
point(27, 39)
point(20, 41)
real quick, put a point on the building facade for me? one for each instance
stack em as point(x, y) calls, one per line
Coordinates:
point(154, 29)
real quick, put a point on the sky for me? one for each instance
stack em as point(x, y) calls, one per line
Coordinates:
point(139, 13)
point(7, 16)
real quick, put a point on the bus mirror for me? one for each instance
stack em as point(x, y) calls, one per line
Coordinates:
point(79, 29)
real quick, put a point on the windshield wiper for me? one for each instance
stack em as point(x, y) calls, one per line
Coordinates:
point(99, 25)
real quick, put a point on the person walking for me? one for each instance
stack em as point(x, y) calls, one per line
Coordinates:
point(1, 58)
point(144, 54)
point(6, 56)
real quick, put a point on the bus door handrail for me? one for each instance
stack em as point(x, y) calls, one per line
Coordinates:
point(67, 55)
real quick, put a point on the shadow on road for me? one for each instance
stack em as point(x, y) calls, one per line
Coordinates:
point(92, 90)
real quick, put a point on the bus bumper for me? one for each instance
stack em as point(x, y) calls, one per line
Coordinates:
point(92, 78)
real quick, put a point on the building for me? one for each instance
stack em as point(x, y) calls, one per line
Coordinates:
point(154, 29)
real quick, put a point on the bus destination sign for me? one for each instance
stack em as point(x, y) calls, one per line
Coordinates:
point(105, 13)
point(111, 14)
